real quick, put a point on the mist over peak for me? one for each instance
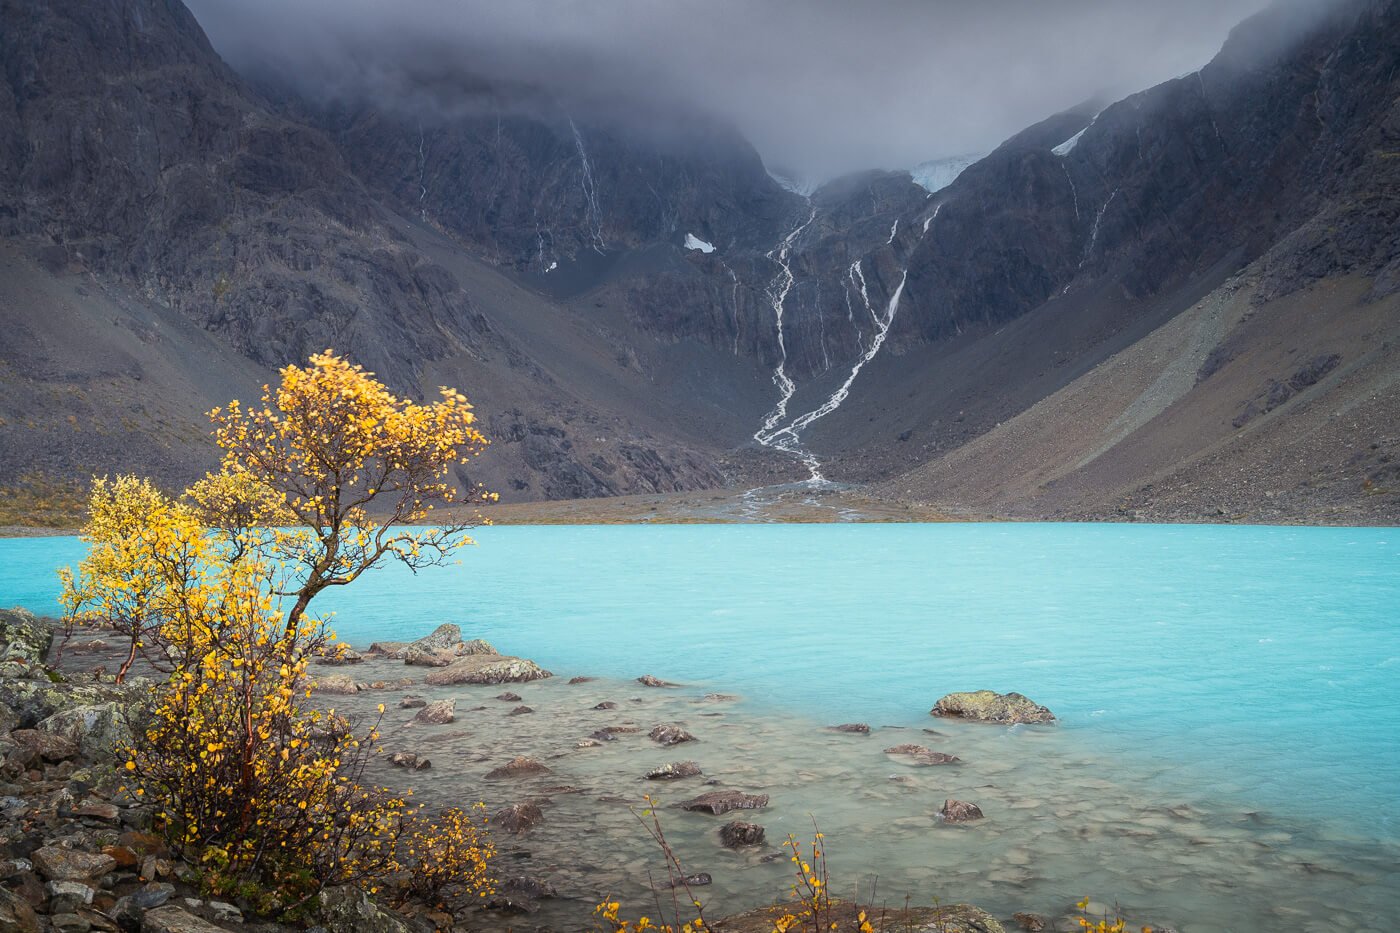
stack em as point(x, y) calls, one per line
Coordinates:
point(820, 87)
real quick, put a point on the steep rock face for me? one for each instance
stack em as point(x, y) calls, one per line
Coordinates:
point(1221, 163)
point(155, 187)
point(547, 190)
point(139, 153)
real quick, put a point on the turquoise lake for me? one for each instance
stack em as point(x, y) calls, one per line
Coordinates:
point(1256, 666)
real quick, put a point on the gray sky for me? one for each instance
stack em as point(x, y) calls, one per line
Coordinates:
point(820, 86)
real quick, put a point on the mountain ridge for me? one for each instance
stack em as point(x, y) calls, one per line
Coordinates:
point(539, 262)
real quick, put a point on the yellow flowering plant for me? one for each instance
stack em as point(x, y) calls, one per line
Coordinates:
point(250, 781)
point(351, 466)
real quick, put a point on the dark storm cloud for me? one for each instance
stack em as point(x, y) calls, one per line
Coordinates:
point(817, 85)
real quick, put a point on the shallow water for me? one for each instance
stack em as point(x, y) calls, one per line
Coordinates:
point(1227, 758)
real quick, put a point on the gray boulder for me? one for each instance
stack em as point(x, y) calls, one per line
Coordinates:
point(673, 771)
point(58, 864)
point(522, 766)
point(487, 669)
point(347, 910)
point(338, 684)
point(422, 657)
point(437, 713)
point(722, 801)
point(98, 729)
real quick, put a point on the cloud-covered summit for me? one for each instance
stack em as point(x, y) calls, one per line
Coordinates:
point(818, 86)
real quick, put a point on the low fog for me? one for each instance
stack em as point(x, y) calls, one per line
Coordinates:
point(818, 86)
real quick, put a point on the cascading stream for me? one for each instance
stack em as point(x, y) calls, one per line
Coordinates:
point(778, 291)
point(590, 191)
point(788, 437)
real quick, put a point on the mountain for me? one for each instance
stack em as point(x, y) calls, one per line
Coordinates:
point(1181, 305)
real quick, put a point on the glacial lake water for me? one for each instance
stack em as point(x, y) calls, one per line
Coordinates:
point(1228, 696)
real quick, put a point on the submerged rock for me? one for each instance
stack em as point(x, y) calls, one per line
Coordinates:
point(736, 834)
point(1031, 923)
point(412, 703)
point(989, 706)
point(508, 697)
point(522, 766)
point(669, 735)
point(409, 761)
point(437, 713)
point(960, 811)
point(522, 710)
point(858, 728)
point(487, 669)
point(907, 748)
point(518, 817)
point(606, 704)
point(722, 801)
point(575, 681)
point(697, 880)
point(919, 755)
point(647, 680)
point(673, 771)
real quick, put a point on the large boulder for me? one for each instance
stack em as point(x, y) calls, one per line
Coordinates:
point(24, 637)
point(437, 713)
point(16, 914)
point(673, 771)
point(722, 801)
point(349, 910)
point(960, 811)
point(670, 734)
point(98, 729)
point(952, 918)
point(423, 657)
point(446, 639)
point(737, 834)
point(990, 706)
point(59, 864)
point(522, 766)
point(338, 684)
point(517, 818)
point(487, 669)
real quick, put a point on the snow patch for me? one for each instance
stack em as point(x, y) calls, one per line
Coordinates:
point(936, 174)
point(694, 242)
point(1066, 147)
point(794, 182)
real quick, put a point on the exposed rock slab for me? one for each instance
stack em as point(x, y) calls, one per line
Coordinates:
point(673, 771)
point(487, 669)
point(523, 766)
point(993, 707)
point(718, 802)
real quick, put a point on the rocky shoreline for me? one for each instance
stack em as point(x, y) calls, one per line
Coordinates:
point(79, 854)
